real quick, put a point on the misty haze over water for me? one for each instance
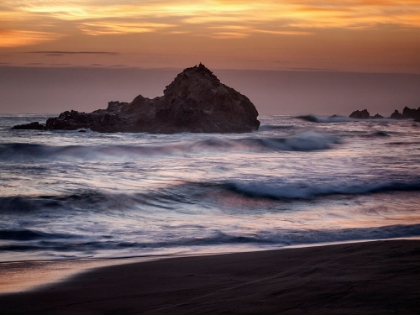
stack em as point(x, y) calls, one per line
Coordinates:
point(54, 90)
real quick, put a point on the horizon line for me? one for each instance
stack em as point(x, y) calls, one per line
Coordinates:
point(123, 67)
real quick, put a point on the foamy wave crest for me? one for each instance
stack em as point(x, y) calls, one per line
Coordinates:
point(308, 141)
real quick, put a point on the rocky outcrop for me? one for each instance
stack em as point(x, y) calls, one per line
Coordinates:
point(196, 101)
point(363, 114)
point(407, 113)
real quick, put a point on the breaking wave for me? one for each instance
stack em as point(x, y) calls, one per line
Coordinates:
point(307, 141)
point(190, 193)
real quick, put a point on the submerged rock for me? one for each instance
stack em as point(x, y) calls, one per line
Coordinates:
point(310, 118)
point(196, 101)
point(32, 125)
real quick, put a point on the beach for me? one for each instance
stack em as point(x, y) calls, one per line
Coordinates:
point(379, 277)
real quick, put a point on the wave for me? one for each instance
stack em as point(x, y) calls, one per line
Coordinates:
point(274, 127)
point(29, 235)
point(87, 200)
point(381, 134)
point(336, 119)
point(331, 119)
point(408, 143)
point(301, 192)
point(307, 141)
point(189, 193)
point(278, 237)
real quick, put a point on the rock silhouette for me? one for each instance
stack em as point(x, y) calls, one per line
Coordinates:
point(407, 113)
point(32, 125)
point(411, 113)
point(360, 114)
point(396, 115)
point(196, 101)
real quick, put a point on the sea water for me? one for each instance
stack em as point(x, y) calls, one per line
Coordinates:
point(307, 180)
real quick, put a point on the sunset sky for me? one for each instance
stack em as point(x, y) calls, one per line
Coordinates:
point(78, 54)
point(350, 35)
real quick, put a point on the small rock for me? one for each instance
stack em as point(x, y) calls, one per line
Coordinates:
point(396, 115)
point(32, 125)
point(364, 114)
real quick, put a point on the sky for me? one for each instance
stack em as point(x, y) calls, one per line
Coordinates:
point(357, 36)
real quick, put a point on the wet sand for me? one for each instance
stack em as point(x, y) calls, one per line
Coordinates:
point(362, 278)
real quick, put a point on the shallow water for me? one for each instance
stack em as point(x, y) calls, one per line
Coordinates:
point(71, 194)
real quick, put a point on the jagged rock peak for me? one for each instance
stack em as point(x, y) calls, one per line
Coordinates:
point(200, 70)
point(197, 77)
point(360, 114)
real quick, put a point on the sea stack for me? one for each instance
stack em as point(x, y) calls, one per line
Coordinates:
point(196, 101)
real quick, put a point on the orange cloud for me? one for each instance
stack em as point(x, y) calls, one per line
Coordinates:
point(214, 18)
point(227, 35)
point(16, 38)
point(284, 32)
point(305, 12)
point(109, 28)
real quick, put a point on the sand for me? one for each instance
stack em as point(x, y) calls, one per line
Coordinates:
point(380, 277)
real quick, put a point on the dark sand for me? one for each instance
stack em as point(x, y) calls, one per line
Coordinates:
point(363, 278)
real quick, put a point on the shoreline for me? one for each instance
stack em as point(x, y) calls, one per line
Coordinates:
point(27, 275)
point(365, 277)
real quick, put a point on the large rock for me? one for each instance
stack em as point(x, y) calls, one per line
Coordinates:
point(196, 101)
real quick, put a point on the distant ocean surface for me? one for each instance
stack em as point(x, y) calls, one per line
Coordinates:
point(66, 194)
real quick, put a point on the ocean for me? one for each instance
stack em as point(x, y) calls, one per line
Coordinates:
point(296, 181)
